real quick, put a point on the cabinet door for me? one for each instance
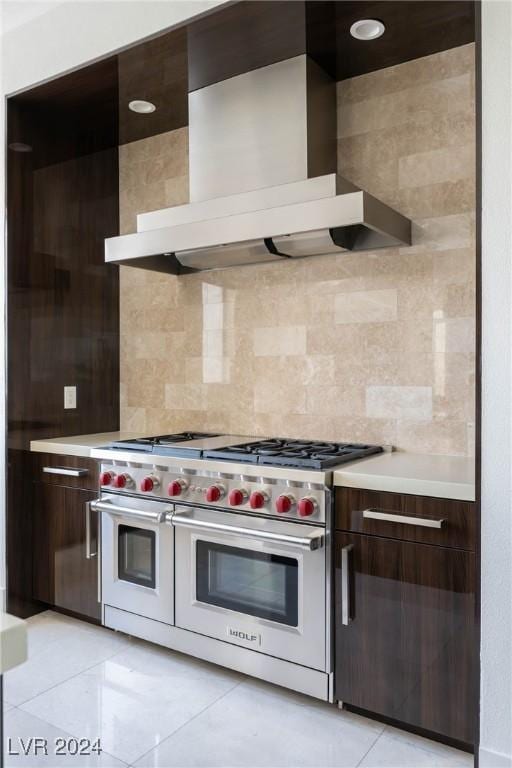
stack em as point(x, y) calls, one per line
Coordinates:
point(63, 575)
point(405, 632)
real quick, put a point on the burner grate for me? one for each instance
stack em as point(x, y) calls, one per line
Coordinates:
point(164, 441)
point(279, 452)
point(294, 453)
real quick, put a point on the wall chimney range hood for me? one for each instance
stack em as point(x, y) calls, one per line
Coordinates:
point(263, 182)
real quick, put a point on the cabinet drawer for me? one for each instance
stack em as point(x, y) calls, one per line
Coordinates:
point(65, 561)
point(69, 471)
point(422, 519)
point(405, 639)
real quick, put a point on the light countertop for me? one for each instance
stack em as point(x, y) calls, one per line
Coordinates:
point(80, 445)
point(445, 477)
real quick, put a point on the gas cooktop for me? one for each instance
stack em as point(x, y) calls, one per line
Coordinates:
point(282, 452)
point(166, 445)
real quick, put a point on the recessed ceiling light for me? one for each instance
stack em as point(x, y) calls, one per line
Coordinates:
point(142, 107)
point(19, 146)
point(367, 29)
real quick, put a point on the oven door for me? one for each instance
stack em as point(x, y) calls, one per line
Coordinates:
point(137, 557)
point(254, 582)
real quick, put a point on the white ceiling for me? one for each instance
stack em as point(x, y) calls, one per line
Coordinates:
point(14, 13)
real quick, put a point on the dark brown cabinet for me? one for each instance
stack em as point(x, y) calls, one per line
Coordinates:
point(65, 553)
point(404, 623)
point(62, 299)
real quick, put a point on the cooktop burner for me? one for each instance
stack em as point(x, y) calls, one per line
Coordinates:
point(162, 444)
point(283, 452)
point(308, 454)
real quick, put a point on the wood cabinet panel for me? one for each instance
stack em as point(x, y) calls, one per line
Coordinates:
point(458, 529)
point(88, 469)
point(413, 29)
point(243, 36)
point(407, 652)
point(63, 575)
point(63, 300)
point(43, 586)
point(19, 534)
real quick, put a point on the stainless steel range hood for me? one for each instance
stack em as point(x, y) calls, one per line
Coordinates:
point(263, 185)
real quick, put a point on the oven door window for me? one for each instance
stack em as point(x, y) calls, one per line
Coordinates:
point(254, 583)
point(137, 560)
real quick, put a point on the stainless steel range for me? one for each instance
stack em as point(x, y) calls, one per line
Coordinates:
point(219, 546)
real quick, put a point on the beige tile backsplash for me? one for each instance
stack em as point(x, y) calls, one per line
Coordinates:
point(366, 307)
point(376, 346)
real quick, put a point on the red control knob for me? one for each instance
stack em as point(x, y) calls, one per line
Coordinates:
point(177, 487)
point(257, 500)
point(307, 506)
point(284, 503)
point(147, 484)
point(237, 497)
point(106, 478)
point(214, 493)
point(122, 480)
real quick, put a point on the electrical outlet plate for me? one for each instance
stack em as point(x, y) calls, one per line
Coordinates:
point(69, 397)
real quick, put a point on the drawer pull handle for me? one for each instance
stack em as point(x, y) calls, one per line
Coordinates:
point(89, 554)
point(345, 585)
point(389, 517)
point(65, 471)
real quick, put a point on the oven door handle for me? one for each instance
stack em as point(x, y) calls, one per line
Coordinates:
point(314, 540)
point(137, 514)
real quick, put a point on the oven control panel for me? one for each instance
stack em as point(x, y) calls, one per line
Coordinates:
point(278, 498)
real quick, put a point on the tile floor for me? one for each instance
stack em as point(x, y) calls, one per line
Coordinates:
point(155, 708)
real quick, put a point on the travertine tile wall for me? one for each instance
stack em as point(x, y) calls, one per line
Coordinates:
point(375, 346)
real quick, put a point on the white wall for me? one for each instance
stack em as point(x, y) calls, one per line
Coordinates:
point(74, 33)
point(496, 652)
point(66, 37)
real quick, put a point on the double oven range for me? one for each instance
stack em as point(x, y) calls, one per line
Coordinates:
point(219, 546)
